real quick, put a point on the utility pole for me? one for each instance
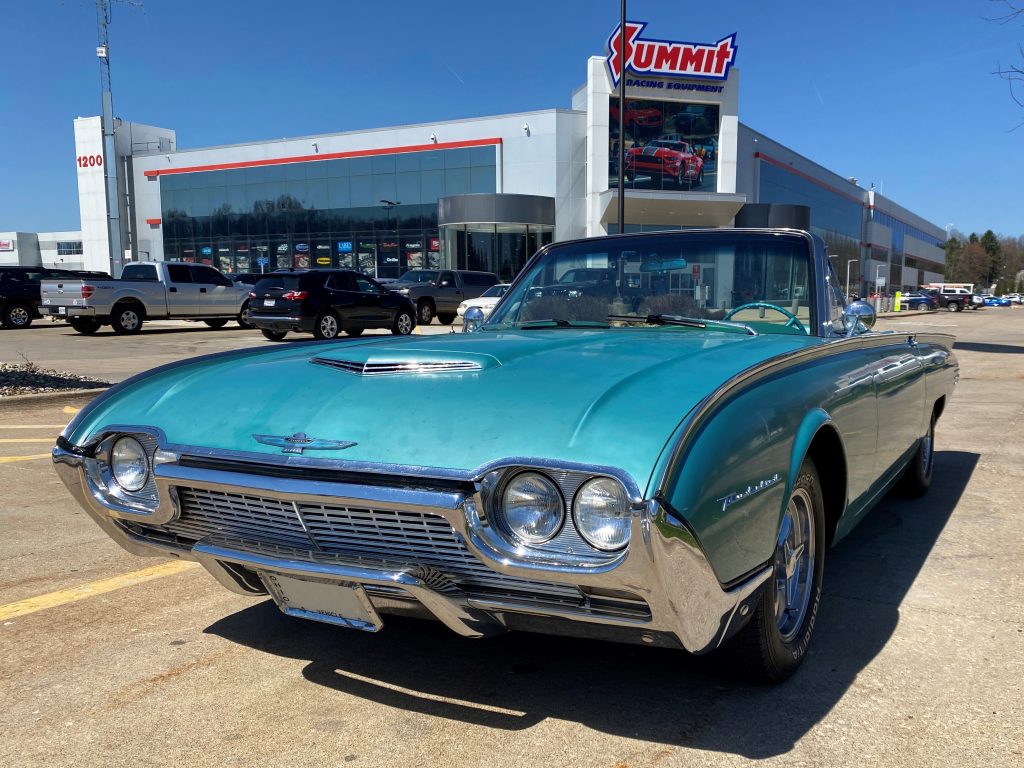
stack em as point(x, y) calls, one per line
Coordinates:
point(110, 165)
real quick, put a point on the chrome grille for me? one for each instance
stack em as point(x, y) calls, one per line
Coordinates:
point(372, 535)
point(398, 367)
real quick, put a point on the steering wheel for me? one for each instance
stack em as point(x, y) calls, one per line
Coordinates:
point(793, 322)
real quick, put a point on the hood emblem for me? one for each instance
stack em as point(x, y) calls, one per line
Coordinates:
point(299, 442)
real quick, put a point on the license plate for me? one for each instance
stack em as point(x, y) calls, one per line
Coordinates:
point(341, 603)
point(268, 302)
point(58, 310)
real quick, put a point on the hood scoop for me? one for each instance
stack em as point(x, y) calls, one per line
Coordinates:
point(395, 362)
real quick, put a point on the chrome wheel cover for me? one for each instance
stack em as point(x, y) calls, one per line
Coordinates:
point(18, 316)
point(794, 564)
point(129, 320)
point(328, 326)
point(928, 451)
point(404, 324)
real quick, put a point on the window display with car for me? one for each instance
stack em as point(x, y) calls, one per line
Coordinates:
point(662, 454)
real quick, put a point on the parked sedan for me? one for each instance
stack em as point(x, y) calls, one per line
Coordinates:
point(996, 301)
point(326, 302)
point(670, 476)
point(485, 301)
point(919, 300)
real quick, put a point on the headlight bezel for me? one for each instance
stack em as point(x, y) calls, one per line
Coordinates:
point(99, 470)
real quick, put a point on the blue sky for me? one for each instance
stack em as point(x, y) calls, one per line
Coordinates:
point(899, 93)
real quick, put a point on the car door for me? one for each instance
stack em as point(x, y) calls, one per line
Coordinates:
point(373, 302)
point(215, 293)
point(449, 293)
point(900, 395)
point(182, 293)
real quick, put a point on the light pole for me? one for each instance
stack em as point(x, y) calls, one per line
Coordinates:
point(388, 205)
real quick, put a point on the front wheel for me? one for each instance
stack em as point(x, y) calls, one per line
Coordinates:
point(774, 642)
point(953, 307)
point(425, 312)
point(217, 322)
point(17, 316)
point(403, 324)
point(126, 318)
point(85, 325)
point(354, 331)
point(445, 318)
point(273, 335)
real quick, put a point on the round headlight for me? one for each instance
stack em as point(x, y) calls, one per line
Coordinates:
point(602, 514)
point(129, 464)
point(533, 508)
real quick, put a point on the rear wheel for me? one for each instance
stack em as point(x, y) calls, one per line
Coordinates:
point(917, 477)
point(218, 322)
point(243, 316)
point(126, 318)
point(953, 307)
point(403, 324)
point(85, 325)
point(774, 642)
point(354, 331)
point(446, 319)
point(326, 326)
point(273, 335)
point(17, 315)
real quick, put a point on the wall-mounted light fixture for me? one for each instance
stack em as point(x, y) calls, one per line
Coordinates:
point(433, 138)
point(316, 147)
point(526, 128)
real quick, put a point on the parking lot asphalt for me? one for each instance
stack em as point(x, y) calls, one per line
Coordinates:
point(107, 659)
point(111, 357)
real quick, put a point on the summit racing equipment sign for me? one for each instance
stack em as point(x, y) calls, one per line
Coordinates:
point(666, 57)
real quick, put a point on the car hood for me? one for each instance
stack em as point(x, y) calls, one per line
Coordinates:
point(604, 397)
point(407, 284)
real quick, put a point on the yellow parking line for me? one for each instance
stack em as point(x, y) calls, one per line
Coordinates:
point(26, 439)
point(12, 459)
point(71, 409)
point(32, 426)
point(53, 599)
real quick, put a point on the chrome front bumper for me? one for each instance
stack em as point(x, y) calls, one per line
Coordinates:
point(663, 566)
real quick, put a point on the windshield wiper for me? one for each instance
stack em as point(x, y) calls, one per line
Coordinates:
point(551, 323)
point(686, 322)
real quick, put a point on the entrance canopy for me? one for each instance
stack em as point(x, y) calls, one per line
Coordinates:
point(692, 209)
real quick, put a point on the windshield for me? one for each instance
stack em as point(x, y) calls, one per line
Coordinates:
point(495, 291)
point(419, 276)
point(705, 276)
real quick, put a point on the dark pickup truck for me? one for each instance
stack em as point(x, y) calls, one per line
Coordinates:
point(440, 291)
point(20, 294)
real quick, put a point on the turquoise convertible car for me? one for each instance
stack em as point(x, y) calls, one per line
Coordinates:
point(660, 450)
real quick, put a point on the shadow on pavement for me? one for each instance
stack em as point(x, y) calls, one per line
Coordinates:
point(974, 346)
point(515, 681)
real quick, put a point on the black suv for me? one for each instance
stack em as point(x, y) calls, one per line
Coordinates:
point(327, 302)
point(20, 291)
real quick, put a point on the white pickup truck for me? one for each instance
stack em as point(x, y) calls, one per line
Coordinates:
point(154, 290)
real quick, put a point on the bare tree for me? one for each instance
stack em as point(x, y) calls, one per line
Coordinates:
point(1010, 11)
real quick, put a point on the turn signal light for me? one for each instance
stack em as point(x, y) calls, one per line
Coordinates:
point(295, 295)
point(88, 291)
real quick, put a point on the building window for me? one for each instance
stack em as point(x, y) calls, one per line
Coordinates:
point(69, 247)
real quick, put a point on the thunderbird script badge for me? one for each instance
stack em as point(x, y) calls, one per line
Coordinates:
point(299, 442)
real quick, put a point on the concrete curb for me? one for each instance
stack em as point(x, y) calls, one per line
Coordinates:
point(42, 397)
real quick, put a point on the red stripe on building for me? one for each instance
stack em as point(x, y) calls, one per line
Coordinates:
point(807, 177)
point(326, 156)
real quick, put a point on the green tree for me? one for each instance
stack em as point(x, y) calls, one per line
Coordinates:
point(954, 248)
point(990, 243)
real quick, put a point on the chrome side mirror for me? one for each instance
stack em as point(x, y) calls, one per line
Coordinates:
point(472, 320)
point(859, 313)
